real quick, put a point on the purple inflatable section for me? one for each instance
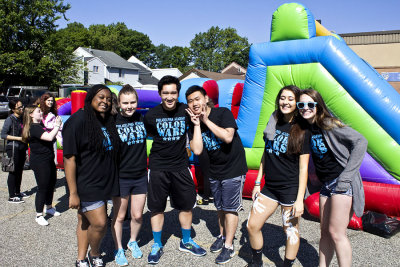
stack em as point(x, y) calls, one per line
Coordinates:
point(370, 170)
point(65, 109)
point(148, 98)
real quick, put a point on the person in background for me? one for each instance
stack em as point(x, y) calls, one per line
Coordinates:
point(41, 160)
point(12, 132)
point(48, 107)
point(132, 173)
point(91, 147)
point(285, 166)
point(337, 152)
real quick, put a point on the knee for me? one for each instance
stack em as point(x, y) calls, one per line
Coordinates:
point(99, 226)
point(137, 216)
point(252, 227)
point(336, 235)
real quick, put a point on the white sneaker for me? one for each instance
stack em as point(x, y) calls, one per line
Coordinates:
point(52, 211)
point(41, 221)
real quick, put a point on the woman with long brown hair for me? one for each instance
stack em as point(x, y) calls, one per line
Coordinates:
point(41, 159)
point(337, 152)
point(285, 165)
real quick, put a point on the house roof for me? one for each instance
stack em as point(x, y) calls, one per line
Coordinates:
point(364, 38)
point(145, 75)
point(234, 68)
point(212, 75)
point(111, 59)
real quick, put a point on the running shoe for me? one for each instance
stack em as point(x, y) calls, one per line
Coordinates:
point(192, 247)
point(41, 221)
point(15, 200)
point(52, 211)
point(225, 255)
point(83, 263)
point(155, 254)
point(134, 248)
point(95, 261)
point(217, 245)
point(119, 256)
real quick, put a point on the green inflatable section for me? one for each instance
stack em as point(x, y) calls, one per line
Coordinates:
point(285, 26)
point(381, 146)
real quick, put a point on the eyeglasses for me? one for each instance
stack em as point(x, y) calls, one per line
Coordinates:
point(310, 105)
point(20, 107)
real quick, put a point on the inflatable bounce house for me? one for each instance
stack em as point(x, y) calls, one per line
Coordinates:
point(303, 53)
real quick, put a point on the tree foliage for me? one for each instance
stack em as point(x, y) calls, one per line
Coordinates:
point(215, 49)
point(171, 57)
point(28, 52)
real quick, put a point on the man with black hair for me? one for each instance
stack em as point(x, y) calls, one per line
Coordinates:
point(169, 173)
point(214, 130)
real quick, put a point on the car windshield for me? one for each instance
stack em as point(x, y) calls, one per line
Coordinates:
point(3, 98)
point(14, 92)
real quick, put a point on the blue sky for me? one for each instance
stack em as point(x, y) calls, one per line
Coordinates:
point(175, 22)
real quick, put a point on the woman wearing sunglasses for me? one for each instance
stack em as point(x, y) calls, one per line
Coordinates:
point(337, 152)
point(285, 165)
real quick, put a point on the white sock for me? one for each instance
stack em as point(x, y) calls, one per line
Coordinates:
point(39, 214)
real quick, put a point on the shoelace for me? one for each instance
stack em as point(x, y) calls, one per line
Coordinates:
point(83, 264)
point(154, 249)
point(98, 261)
point(193, 243)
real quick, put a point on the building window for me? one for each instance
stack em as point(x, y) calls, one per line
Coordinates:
point(95, 69)
point(121, 73)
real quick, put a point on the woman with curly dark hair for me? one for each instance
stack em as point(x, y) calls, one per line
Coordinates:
point(91, 143)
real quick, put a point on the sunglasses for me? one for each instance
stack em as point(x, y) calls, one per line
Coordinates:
point(310, 105)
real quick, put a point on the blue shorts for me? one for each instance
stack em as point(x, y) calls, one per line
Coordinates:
point(91, 205)
point(228, 193)
point(329, 188)
point(133, 186)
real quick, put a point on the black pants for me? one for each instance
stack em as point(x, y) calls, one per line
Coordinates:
point(46, 176)
point(15, 177)
point(204, 162)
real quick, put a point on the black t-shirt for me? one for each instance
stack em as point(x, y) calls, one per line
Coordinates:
point(226, 160)
point(133, 159)
point(282, 169)
point(326, 165)
point(40, 149)
point(168, 129)
point(96, 174)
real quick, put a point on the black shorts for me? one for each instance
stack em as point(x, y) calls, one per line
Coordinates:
point(282, 196)
point(133, 186)
point(179, 186)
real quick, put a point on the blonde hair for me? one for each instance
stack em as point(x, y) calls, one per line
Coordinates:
point(27, 119)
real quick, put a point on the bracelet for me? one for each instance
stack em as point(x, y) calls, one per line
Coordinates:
point(257, 183)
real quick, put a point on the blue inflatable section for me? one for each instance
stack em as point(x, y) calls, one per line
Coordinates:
point(226, 88)
point(364, 84)
point(185, 84)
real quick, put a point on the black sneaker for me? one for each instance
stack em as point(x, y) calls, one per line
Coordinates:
point(255, 264)
point(83, 263)
point(95, 261)
point(15, 200)
point(217, 245)
point(23, 195)
point(225, 255)
point(192, 247)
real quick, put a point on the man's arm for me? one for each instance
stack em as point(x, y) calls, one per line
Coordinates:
point(225, 134)
point(196, 144)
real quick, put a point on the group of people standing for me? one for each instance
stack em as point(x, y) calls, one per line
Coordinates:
point(38, 127)
point(105, 158)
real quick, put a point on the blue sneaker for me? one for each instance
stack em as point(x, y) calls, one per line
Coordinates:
point(192, 247)
point(120, 258)
point(155, 254)
point(134, 248)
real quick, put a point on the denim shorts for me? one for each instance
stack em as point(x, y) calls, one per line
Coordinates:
point(329, 188)
point(91, 205)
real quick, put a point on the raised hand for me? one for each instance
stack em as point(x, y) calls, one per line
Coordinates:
point(194, 118)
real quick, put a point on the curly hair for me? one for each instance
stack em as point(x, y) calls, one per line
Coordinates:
point(44, 108)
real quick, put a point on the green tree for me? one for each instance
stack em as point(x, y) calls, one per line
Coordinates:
point(170, 57)
point(28, 51)
point(73, 36)
point(215, 49)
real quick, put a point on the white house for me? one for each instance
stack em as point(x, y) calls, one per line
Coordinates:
point(105, 66)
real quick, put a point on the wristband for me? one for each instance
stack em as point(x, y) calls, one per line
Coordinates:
point(257, 183)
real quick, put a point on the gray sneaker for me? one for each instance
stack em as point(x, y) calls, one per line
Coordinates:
point(217, 245)
point(225, 255)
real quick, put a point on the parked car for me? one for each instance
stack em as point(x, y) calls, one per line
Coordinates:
point(4, 109)
point(27, 94)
